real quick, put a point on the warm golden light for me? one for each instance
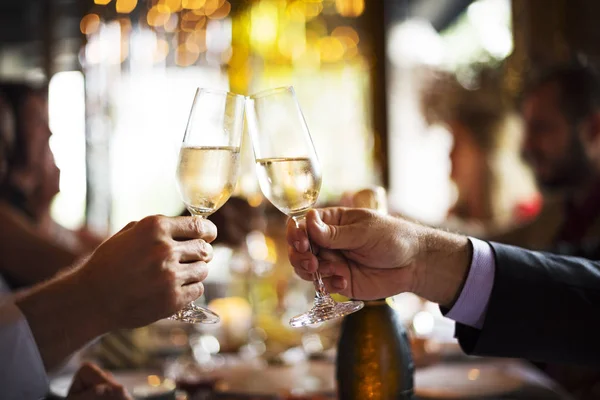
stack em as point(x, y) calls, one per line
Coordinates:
point(221, 12)
point(193, 4)
point(473, 374)
point(347, 32)
point(295, 11)
point(162, 50)
point(172, 5)
point(331, 49)
point(171, 24)
point(201, 24)
point(292, 41)
point(255, 200)
point(154, 380)
point(163, 8)
point(212, 5)
point(264, 22)
point(102, 2)
point(191, 16)
point(272, 250)
point(312, 9)
point(184, 57)
point(125, 25)
point(310, 59)
point(188, 26)
point(196, 41)
point(89, 24)
point(350, 8)
point(126, 6)
point(157, 18)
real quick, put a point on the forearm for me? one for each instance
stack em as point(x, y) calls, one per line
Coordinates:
point(28, 258)
point(62, 316)
point(442, 265)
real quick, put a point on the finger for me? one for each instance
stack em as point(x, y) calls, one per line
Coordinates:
point(192, 273)
point(337, 284)
point(87, 376)
point(296, 237)
point(191, 292)
point(331, 228)
point(307, 276)
point(334, 283)
point(305, 261)
point(182, 228)
point(325, 268)
point(194, 250)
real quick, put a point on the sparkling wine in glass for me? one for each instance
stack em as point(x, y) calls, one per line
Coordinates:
point(289, 175)
point(208, 165)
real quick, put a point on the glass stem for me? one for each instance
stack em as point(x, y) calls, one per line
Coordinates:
point(321, 292)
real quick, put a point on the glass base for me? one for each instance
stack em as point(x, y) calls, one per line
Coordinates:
point(325, 309)
point(193, 314)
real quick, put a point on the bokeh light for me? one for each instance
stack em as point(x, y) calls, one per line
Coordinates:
point(89, 24)
point(126, 6)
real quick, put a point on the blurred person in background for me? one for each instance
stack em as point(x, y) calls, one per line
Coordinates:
point(561, 110)
point(494, 189)
point(33, 178)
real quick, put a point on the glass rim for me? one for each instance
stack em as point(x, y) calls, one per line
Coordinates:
point(227, 93)
point(268, 92)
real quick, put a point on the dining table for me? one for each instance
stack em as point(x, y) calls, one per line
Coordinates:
point(452, 378)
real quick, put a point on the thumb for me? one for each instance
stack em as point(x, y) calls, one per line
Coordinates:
point(330, 235)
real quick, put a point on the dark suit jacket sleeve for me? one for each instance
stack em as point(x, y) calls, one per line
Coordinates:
point(543, 307)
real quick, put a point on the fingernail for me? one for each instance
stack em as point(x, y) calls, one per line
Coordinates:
point(297, 246)
point(305, 264)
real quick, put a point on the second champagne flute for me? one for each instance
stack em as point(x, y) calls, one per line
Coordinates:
point(208, 165)
point(289, 175)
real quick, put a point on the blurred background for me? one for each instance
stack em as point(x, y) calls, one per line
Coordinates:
point(388, 88)
point(122, 75)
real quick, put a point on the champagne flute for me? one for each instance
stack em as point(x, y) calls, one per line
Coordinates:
point(208, 165)
point(289, 175)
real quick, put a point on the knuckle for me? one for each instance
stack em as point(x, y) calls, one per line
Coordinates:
point(197, 225)
point(202, 271)
point(164, 252)
point(169, 277)
point(206, 251)
point(196, 291)
point(154, 224)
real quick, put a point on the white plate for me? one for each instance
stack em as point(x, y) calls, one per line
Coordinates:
point(462, 381)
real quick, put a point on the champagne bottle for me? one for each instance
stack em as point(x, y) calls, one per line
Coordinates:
point(374, 361)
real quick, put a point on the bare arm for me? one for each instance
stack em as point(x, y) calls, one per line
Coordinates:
point(63, 316)
point(27, 257)
point(146, 272)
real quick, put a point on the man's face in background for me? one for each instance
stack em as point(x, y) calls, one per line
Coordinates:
point(552, 144)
